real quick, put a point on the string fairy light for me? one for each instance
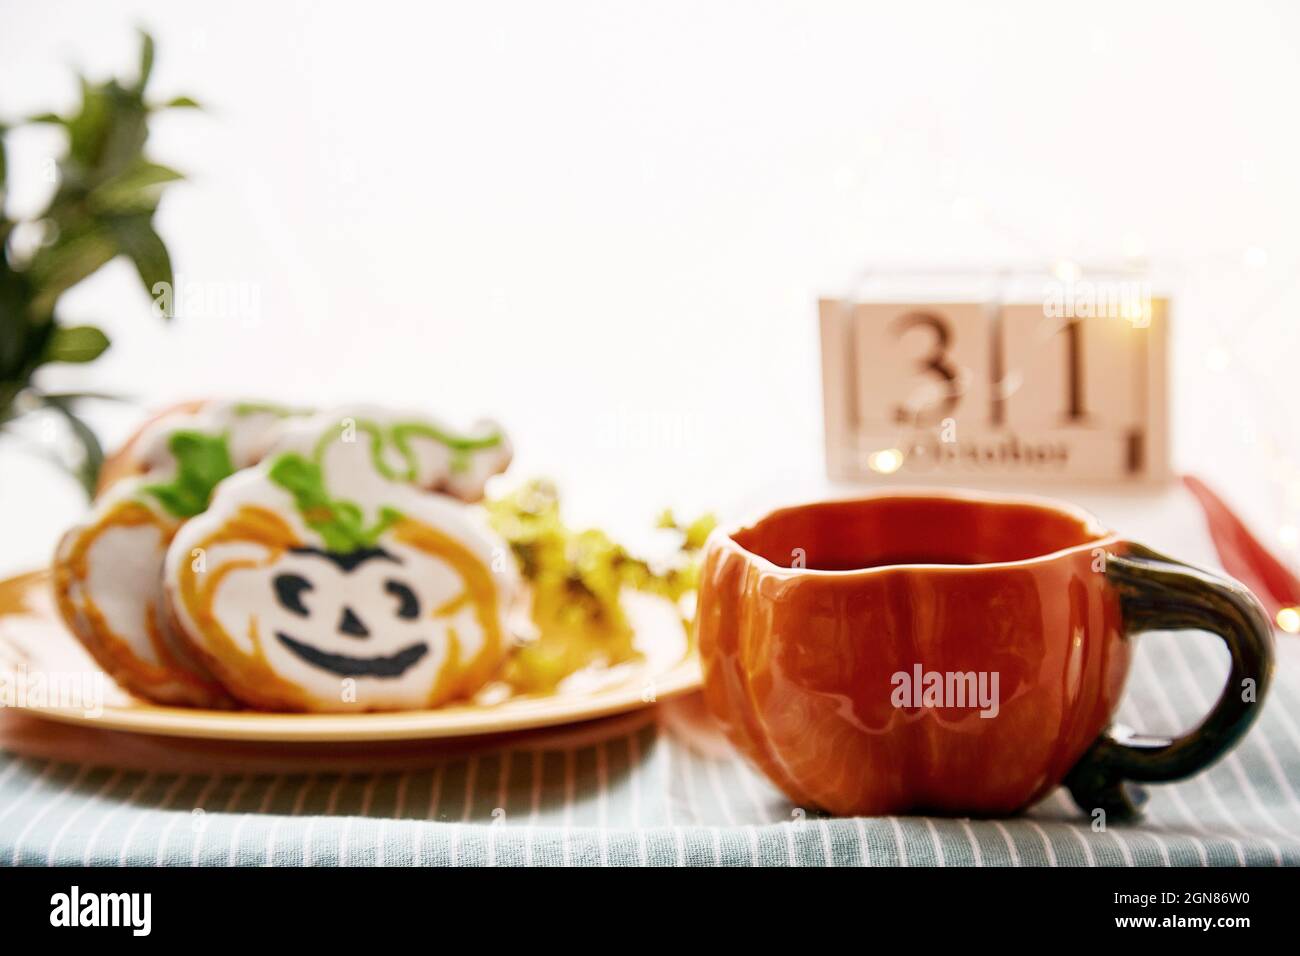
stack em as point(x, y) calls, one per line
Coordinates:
point(1288, 619)
point(885, 461)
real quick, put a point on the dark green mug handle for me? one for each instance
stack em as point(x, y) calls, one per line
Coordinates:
point(1157, 593)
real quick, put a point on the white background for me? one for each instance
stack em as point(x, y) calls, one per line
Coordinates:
point(607, 224)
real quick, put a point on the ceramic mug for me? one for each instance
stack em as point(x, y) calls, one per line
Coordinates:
point(955, 653)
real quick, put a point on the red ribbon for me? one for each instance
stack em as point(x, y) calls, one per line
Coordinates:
point(1242, 555)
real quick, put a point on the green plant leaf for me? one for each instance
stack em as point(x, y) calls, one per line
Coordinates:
point(125, 136)
point(136, 236)
point(92, 454)
point(86, 397)
point(72, 257)
point(135, 190)
point(180, 102)
point(106, 195)
point(88, 127)
point(146, 60)
point(77, 343)
point(23, 336)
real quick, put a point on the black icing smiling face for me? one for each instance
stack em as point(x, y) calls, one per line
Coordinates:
point(365, 597)
point(363, 627)
point(411, 621)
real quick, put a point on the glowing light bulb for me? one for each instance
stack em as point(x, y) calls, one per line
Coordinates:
point(1137, 314)
point(1288, 619)
point(886, 461)
point(1067, 271)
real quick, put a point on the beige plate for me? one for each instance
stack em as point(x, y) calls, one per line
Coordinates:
point(35, 643)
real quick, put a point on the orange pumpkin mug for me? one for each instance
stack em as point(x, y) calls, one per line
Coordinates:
point(955, 653)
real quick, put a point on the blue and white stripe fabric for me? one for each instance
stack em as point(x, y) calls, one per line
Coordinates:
point(646, 790)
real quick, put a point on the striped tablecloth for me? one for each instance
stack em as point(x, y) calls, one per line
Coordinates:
point(656, 788)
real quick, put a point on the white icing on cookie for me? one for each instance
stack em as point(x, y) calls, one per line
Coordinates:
point(108, 582)
point(327, 578)
point(404, 446)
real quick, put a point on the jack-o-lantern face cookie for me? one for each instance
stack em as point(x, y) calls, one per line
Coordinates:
point(108, 584)
point(327, 579)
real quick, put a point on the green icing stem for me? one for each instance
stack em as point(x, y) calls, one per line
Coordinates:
point(399, 435)
point(242, 409)
point(461, 447)
point(340, 523)
point(455, 442)
point(202, 461)
point(376, 433)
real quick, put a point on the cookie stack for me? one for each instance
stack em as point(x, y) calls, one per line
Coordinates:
point(245, 554)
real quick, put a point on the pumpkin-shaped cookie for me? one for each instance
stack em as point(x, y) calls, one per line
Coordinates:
point(327, 579)
point(107, 576)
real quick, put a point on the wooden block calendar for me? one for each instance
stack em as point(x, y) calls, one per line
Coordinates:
point(996, 391)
